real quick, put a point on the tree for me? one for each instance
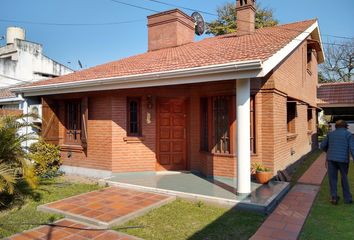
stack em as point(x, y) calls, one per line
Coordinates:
point(226, 21)
point(339, 64)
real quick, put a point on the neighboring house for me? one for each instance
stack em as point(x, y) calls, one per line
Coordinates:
point(337, 101)
point(210, 107)
point(22, 62)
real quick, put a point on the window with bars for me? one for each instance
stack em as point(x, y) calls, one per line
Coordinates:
point(73, 122)
point(134, 113)
point(204, 131)
point(221, 125)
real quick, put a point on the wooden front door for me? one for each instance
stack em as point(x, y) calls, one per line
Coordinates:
point(171, 134)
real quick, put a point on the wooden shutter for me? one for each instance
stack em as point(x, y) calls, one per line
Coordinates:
point(50, 121)
point(84, 121)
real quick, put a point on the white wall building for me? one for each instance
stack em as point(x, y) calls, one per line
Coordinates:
point(23, 62)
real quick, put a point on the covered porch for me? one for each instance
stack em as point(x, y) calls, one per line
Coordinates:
point(191, 186)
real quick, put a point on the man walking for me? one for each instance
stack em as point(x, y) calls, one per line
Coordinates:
point(338, 144)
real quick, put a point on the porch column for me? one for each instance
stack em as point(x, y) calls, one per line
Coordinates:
point(243, 93)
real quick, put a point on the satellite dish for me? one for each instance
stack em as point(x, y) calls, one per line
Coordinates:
point(199, 23)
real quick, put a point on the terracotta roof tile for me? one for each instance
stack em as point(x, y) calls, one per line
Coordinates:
point(210, 51)
point(6, 93)
point(336, 93)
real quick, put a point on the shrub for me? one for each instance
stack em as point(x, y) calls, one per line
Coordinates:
point(323, 130)
point(14, 167)
point(46, 158)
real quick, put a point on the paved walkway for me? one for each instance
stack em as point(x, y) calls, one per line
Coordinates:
point(107, 207)
point(89, 215)
point(70, 230)
point(287, 220)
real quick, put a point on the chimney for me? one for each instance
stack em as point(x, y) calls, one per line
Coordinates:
point(13, 33)
point(245, 16)
point(170, 29)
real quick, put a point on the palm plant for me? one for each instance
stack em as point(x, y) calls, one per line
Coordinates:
point(13, 163)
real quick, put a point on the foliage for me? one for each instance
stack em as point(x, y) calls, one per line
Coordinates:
point(339, 64)
point(258, 167)
point(323, 130)
point(22, 214)
point(46, 158)
point(187, 220)
point(13, 163)
point(327, 221)
point(226, 21)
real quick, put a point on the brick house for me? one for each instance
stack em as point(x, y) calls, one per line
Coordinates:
point(212, 106)
point(337, 100)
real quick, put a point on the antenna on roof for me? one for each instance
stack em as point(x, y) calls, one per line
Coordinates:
point(199, 23)
point(80, 64)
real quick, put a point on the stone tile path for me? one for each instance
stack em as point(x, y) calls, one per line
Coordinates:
point(107, 207)
point(70, 230)
point(287, 220)
point(90, 214)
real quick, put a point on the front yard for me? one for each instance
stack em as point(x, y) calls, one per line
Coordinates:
point(187, 220)
point(327, 221)
point(23, 215)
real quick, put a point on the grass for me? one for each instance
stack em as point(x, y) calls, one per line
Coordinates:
point(327, 221)
point(187, 220)
point(304, 165)
point(23, 215)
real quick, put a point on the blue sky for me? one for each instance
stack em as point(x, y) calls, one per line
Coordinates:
point(95, 45)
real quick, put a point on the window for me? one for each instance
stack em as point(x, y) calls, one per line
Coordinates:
point(221, 126)
point(309, 118)
point(73, 122)
point(253, 124)
point(134, 122)
point(204, 118)
point(291, 116)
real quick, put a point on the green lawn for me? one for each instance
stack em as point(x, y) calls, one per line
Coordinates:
point(327, 221)
point(23, 215)
point(187, 220)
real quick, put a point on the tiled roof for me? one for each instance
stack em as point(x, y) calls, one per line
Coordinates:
point(336, 93)
point(6, 93)
point(210, 51)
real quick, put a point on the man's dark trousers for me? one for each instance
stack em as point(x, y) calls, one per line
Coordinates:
point(333, 168)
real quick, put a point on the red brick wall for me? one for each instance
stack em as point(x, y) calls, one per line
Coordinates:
point(99, 145)
point(109, 148)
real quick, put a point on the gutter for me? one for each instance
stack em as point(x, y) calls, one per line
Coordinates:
point(245, 69)
point(7, 100)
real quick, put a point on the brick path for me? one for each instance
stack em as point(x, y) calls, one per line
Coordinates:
point(70, 230)
point(107, 207)
point(287, 220)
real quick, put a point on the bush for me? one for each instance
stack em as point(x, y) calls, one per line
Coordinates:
point(46, 158)
point(14, 166)
point(323, 130)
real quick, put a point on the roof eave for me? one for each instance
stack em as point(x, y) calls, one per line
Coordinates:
point(220, 72)
point(279, 56)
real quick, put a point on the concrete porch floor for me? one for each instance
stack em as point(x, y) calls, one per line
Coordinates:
point(191, 186)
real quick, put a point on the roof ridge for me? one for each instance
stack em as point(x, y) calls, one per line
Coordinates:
point(335, 83)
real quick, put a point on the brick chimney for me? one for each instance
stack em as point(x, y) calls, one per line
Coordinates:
point(245, 16)
point(170, 29)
